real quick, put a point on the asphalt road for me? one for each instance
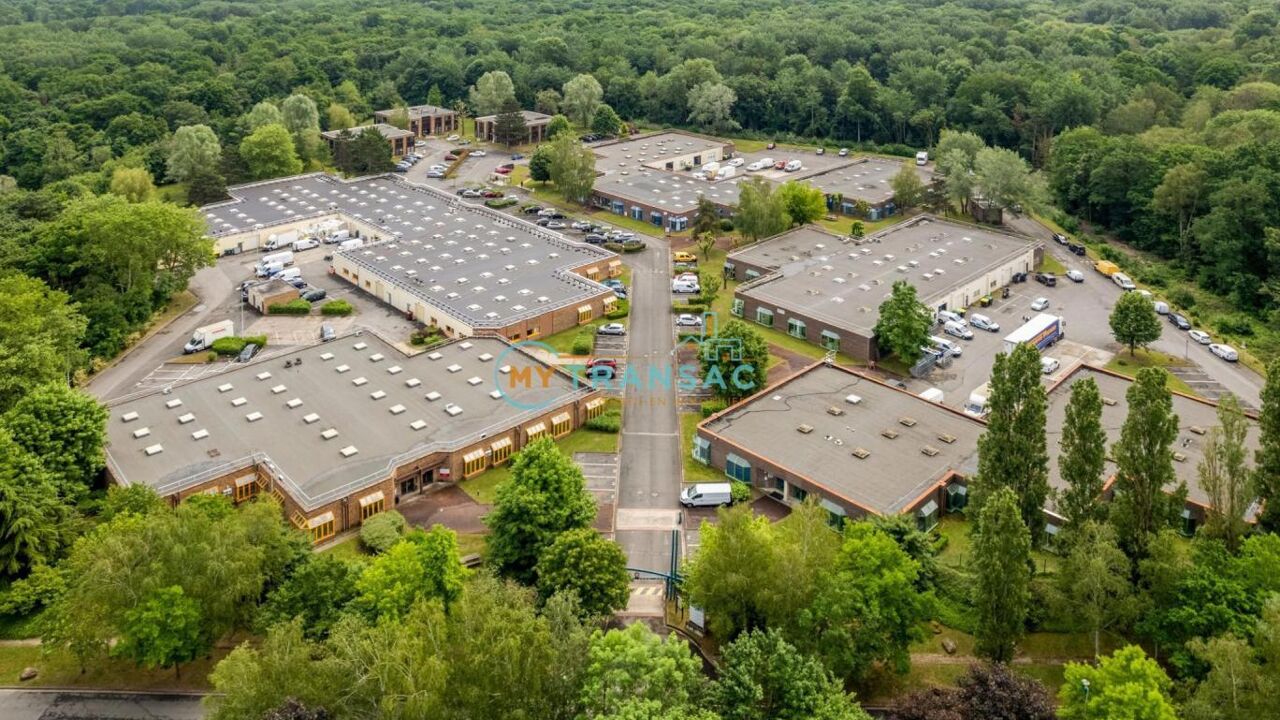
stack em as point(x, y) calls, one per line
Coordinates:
point(77, 705)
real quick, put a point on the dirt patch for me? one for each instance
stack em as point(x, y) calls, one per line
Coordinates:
point(450, 507)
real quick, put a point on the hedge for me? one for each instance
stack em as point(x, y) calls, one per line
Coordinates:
point(711, 407)
point(293, 307)
point(633, 246)
point(233, 345)
point(610, 421)
point(739, 492)
point(500, 203)
point(621, 309)
point(336, 307)
point(582, 344)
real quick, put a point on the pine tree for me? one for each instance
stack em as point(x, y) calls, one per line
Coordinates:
point(509, 127)
point(1084, 456)
point(1266, 472)
point(1002, 557)
point(1144, 464)
point(1011, 453)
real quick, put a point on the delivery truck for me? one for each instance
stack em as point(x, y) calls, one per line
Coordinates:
point(1106, 267)
point(977, 406)
point(280, 241)
point(1039, 332)
point(203, 337)
point(283, 258)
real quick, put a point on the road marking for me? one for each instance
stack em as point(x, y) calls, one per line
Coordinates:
point(646, 519)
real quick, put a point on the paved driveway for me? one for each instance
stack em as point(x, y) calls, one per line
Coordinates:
point(73, 705)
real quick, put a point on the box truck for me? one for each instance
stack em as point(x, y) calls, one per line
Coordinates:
point(279, 241)
point(976, 406)
point(1106, 267)
point(1039, 332)
point(203, 337)
point(305, 244)
point(284, 257)
point(351, 244)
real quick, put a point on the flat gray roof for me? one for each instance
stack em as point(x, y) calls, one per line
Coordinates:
point(842, 281)
point(417, 111)
point(1192, 413)
point(865, 179)
point(632, 169)
point(894, 474)
point(530, 117)
point(366, 390)
point(498, 268)
point(387, 131)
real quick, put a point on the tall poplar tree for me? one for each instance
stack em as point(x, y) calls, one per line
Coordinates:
point(1011, 453)
point(1002, 557)
point(1083, 459)
point(1143, 504)
point(1266, 471)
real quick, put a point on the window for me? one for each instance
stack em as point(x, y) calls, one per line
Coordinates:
point(536, 431)
point(473, 462)
point(798, 493)
point(795, 328)
point(584, 314)
point(927, 517)
point(298, 519)
point(729, 270)
point(320, 527)
point(610, 303)
point(615, 268)
point(561, 424)
point(701, 449)
point(957, 497)
point(737, 468)
point(764, 316)
point(637, 212)
point(246, 487)
point(736, 308)
point(830, 340)
point(595, 408)
point(502, 450)
point(372, 504)
point(593, 273)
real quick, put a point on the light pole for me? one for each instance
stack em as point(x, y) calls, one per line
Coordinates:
point(1084, 682)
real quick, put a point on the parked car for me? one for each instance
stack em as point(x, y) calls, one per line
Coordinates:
point(1179, 321)
point(602, 367)
point(1049, 365)
point(531, 209)
point(735, 162)
point(945, 316)
point(706, 495)
point(1018, 277)
point(1200, 336)
point(757, 165)
point(1076, 248)
point(247, 353)
point(555, 225)
point(612, 329)
point(955, 329)
point(844, 152)
point(1226, 352)
point(683, 256)
point(1047, 279)
point(780, 165)
point(436, 174)
point(297, 282)
point(1075, 276)
point(314, 295)
point(327, 333)
point(792, 166)
point(517, 156)
point(401, 167)
point(1040, 303)
point(470, 193)
point(821, 151)
point(478, 153)
point(982, 322)
point(453, 138)
point(688, 320)
point(612, 283)
point(580, 225)
point(491, 193)
point(503, 171)
point(1161, 307)
point(1060, 238)
point(451, 157)
point(594, 239)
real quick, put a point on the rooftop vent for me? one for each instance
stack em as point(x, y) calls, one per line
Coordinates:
point(294, 403)
point(360, 381)
point(947, 438)
point(278, 389)
point(310, 418)
point(805, 429)
point(1197, 429)
point(200, 434)
point(254, 416)
point(861, 453)
point(184, 419)
point(238, 402)
point(377, 394)
point(141, 432)
point(129, 417)
point(412, 382)
point(853, 399)
point(396, 409)
point(907, 421)
point(1179, 457)
point(432, 396)
point(225, 387)
point(329, 434)
point(173, 403)
point(154, 449)
point(890, 434)
point(930, 450)
point(418, 424)
point(833, 410)
point(348, 451)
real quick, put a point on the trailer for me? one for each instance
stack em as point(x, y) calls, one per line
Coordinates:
point(1039, 332)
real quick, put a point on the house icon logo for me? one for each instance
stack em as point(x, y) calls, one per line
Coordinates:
point(707, 344)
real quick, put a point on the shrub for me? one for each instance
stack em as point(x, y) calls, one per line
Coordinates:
point(1183, 298)
point(1235, 324)
point(337, 307)
point(613, 247)
point(383, 530)
point(426, 336)
point(39, 589)
point(211, 357)
point(610, 421)
point(711, 407)
point(293, 307)
point(1106, 252)
point(739, 492)
point(583, 344)
point(500, 203)
point(633, 246)
point(621, 309)
point(726, 225)
point(233, 345)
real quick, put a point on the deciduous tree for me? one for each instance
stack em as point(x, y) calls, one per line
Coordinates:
point(557, 125)
point(1134, 322)
point(606, 122)
point(30, 510)
point(573, 168)
point(711, 106)
point(1145, 497)
point(316, 593)
point(582, 95)
point(132, 184)
point(803, 203)
point(908, 190)
point(1225, 475)
point(635, 665)
point(1127, 685)
point(590, 566)
point(540, 163)
point(194, 148)
point(1001, 558)
point(734, 361)
point(163, 630)
point(1093, 587)
point(65, 430)
point(1083, 458)
point(733, 572)
point(263, 114)
point(760, 213)
point(269, 152)
point(420, 566)
point(1266, 460)
point(491, 91)
point(1012, 452)
point(40, 333)
point(764, 677)
point(904, 323)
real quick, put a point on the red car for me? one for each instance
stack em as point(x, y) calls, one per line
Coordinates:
point(450, 157)
point(503, 170)
point(780, 165)
point(602, 362)
point(491, 194)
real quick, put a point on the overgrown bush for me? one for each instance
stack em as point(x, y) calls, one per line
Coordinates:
point(1106, 252)
point(610, 421)
point(426, 336)
point(711, 407)
point(726, 225)
point(500, 203)
point(233, 345)
point(633, 246)
point(621, 309)
point(739, 492)
point(583, 344)
point(297, 306)
point(1182, 298)
point(614, 247)
point(1235, 324)
point(337, 307)
point(383, 530)
point(37, 590)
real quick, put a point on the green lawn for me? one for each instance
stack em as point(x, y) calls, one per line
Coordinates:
point(60, 669)
point(175, 193)
point(483, 488)
point(1129, 366)
point(955, 528)
point(470, 544)
point(694, 471)
point(1050, 264)
point(843, 224)
point(348, 549)
point(562, 342)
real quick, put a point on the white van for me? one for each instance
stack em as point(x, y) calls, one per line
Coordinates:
point(946, 316)
point(955, 329)
point(268, 269)
point(1161, 307)
point(1123, 281)
point(922, 158)
point(305, 244)
point(289, 274)
point(337, 236)
point(284, 257)
point(351, 244)
point(792, 166)
point(706, 495)
point(945, 345)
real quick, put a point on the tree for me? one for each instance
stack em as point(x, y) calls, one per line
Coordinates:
point(1266, 460)
point(1225, 476)
point(269, 152)
point(545, 496)
point(733, 571)
point(802, 202)
point(956, 169)
point(547, 101)
point(65, 430)
point(1003, 178)
point(254, 680)
point(1001, 558)
point(362, 152)
point(420, 566)
point(908, 190)
point(299, 114)
point(766, 678)
point(904, 323)
point(1127, 685)
point(132, 499)
point(1242, 681)
point(382, 531)
point(582, 95)
point(206, 186)
point(995, 691)
point(606, 122)
point(760, 212)
point(132, 184)
point(316, 594)
point(1093, 581)
point(559, 124)
point(1134, 322)
point(339, 117)
point(163, 630)
point(706, 223)
point(1144, 464)
point(734, 361)
point(710, 282)
point(291, 709)
point(573, 168)
point(1012, 452)
point(711, 106)
point(540, 163)
point(588, 565)
point(1181, 194)
point(263, 114)
point(30, 511)
point(869, 610)
point(857, 230)
point(635, 665)
point(509, 127)
point(1083, 458)
point(194, 148)
point(491, 91)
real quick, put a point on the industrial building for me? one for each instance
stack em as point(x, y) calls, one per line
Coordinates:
point(867, 180)
point(860, 446)
point(424, 120)
point(341, 431)
point(464, 268)
point(1195, 417)
point(535, 124)
point(400, 141)
point(827, 289)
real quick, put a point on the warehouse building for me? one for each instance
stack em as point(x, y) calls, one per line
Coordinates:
point(535, 124)
point(341, 431)
point(867, 180)
point(860, 446)
point(1195, 417)
point(400, 141)
point(424, 120)
point(827, 289)
point(464, 268)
